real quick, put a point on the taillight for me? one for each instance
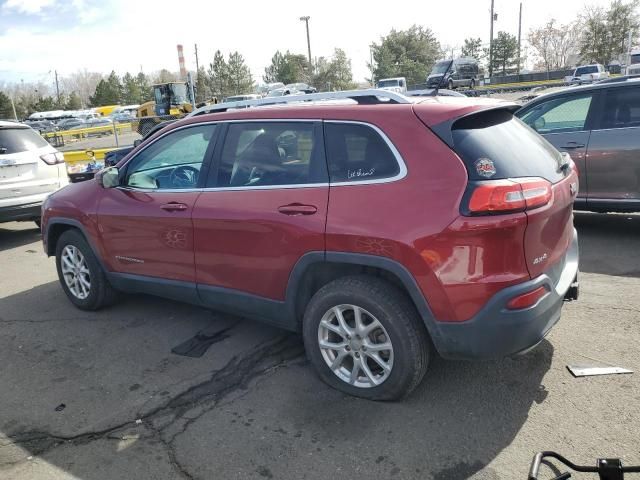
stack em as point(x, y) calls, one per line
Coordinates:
point(509, 195)
point(528, 299)
point(52, 158)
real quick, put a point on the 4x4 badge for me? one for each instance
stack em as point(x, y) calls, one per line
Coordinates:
point(485, 167)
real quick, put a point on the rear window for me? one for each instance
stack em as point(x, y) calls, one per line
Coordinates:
point(16, 140)
point(496, 145)
point(586, 70)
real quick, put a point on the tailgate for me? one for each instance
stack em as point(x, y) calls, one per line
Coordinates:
point(550, 229)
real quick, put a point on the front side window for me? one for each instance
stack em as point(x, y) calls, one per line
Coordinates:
point(566, 114)
point(260, 154)
point(621, 108)
point(357, 152)
point(172, 162)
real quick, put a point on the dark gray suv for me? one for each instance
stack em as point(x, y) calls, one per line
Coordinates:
point(599, 125)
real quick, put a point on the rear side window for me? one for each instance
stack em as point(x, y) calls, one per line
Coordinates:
point(16, 140)
point(496, 145)
point(621, 108)
point(357, 152)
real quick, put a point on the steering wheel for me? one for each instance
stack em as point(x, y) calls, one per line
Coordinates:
point(184, 176)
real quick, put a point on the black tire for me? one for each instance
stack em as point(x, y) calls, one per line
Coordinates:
point(472, 85)
point(38, 222)
point(450, 84)
point(392, 308)
point(101, 293)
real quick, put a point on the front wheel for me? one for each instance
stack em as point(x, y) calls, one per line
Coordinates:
point(365, 338)
point(81, 275)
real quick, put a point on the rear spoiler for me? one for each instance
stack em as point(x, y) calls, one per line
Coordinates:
point(443, 130)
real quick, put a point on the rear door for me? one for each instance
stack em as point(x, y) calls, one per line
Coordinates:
point(264, 207)
point(23, 173)
point(566, 122)
point(613, 162)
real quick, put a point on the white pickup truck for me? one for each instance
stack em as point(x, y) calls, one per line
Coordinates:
point(588, 74)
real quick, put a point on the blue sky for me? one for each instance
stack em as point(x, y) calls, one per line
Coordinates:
point(39, 36)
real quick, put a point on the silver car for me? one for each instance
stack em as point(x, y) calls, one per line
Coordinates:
point(30, 170)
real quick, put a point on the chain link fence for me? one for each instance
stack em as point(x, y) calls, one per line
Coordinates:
point(87, 144)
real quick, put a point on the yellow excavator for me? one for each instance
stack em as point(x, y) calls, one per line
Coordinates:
point(172, 99)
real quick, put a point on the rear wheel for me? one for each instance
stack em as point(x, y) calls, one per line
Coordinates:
point(450, 84)
point(81, 276)
point(365, 338)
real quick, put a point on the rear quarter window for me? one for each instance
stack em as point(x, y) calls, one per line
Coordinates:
point(357, 152)
point(17, 140)
point(511, 147)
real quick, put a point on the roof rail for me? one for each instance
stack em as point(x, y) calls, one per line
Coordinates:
point(362, 97)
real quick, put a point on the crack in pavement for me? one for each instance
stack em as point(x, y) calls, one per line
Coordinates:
point(235, 375)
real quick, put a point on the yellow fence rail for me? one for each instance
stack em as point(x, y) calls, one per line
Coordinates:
point(82, 132)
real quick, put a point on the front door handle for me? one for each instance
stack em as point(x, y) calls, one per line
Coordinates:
point(174, 207)
point(572, 145)
point(297, 209)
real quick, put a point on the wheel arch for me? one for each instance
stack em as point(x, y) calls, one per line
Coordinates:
point(315, 269)
point(56, 226)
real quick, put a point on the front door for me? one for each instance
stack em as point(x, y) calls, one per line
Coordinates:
point(265, 208)
point(146, 222)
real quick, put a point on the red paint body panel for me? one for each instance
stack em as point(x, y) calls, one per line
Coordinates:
point(133, 226)
point(243, 242)
point(550, 228)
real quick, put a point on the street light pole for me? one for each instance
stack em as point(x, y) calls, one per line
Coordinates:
point(306, 21)
point(491, 43)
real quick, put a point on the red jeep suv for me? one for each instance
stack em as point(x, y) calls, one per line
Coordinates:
point(385, 230)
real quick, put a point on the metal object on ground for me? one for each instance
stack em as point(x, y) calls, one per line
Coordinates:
point(589, 370)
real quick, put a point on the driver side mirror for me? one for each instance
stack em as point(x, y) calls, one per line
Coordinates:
point(109, 177)
point(539, 123)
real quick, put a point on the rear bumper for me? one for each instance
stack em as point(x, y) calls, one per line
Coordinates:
point(27, 211)
point(497, 331)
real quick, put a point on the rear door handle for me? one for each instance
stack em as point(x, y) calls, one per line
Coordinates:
point(297, 209)
point(572, 145)
point(174, 207)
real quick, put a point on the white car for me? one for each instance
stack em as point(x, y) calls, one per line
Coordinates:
point(397, 84)
point(589, 74)
point(30, 170)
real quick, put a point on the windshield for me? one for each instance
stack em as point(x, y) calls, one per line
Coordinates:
point(440, 67)
point(388, 83)
point(179, 93)
point(586, 70)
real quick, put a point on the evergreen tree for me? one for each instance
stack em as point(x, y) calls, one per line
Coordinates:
point(239, 79)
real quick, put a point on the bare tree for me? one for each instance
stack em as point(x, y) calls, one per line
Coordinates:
point(555, 44)
point(83, 83)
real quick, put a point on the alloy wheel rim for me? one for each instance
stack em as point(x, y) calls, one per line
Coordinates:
point(355, 346)
point(75, 272)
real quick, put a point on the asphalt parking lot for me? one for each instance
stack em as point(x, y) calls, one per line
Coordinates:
point(100, 395)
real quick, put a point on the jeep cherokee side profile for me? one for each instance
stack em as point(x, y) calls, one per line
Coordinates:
point(384, 230)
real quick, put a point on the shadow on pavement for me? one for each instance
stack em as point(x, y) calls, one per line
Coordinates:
point(12, 238)
point(294, 426)
point(609, 243)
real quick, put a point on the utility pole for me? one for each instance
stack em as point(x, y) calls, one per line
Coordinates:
point(519, 36)
point(373, 83)
point(57, 87)
point(197, 64)
point(491, 42)
point(306, 21)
